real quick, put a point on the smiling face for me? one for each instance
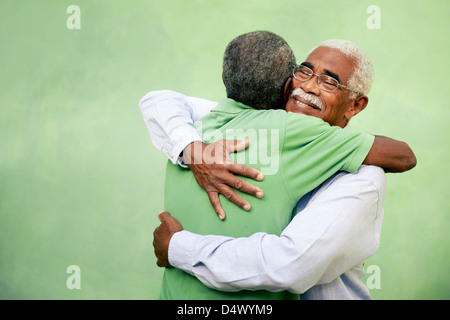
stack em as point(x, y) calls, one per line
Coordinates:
point(336, 107)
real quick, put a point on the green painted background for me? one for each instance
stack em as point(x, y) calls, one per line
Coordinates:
point(81, 183)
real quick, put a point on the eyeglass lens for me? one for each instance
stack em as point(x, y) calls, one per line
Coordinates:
point(326, 83)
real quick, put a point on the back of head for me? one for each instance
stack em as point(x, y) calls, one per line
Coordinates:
point(256, 66)
point(362, 77)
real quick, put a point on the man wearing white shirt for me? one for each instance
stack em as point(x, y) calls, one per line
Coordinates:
point(320, 254)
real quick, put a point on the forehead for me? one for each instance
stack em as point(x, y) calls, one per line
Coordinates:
point(329, 59)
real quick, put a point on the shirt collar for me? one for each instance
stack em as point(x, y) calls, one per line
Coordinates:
point(231, 106)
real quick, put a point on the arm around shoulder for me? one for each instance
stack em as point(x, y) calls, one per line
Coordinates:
point(392, 155)
point(168, 116)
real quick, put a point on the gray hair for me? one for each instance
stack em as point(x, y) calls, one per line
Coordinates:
point(362, 77)
point(256, 66)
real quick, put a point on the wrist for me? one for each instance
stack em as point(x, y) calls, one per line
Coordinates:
point(192, 153)
point(181, 251)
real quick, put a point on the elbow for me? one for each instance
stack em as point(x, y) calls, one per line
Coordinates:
point(151, 99)
point(407, 162)
point(143, 103)
point(410, 160)
point(146, 101)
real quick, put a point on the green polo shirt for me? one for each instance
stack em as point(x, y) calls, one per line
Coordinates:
point(295, 152)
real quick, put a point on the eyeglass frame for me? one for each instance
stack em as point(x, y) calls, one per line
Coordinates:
point(318, 80)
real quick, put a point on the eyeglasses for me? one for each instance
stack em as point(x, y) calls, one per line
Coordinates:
point(326, 83)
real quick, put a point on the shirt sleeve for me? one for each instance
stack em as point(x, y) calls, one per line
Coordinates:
point(314, 151)
point(325, 144)
point(338, 229)
point(169, 117)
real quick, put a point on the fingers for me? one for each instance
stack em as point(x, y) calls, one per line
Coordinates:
point(233, 146)
point(163, 216)
point(172, 224)
point(162, 236)
point(231, 181)
point(236, 145)
point(215, 202)
point(246, 187)
point(231, 195)
point(246, 171)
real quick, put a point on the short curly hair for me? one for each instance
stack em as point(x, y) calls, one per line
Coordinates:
point(256, 66)
point(362, 77)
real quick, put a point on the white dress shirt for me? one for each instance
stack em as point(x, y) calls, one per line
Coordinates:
point(169, 117)
point(319, 255)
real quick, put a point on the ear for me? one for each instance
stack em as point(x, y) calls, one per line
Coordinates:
point(356, 106)
point(287, 89)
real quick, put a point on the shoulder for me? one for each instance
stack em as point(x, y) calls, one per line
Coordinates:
point(372, 177)
point(302, 129)
point(374, 174)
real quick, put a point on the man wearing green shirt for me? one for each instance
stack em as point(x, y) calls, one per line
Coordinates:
point(299, 151)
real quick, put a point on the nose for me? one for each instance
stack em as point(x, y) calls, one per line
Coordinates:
point(311, 85)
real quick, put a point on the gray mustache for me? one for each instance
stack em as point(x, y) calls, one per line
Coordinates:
point(308, 97)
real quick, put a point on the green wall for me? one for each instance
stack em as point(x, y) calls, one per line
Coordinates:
point(81, 184)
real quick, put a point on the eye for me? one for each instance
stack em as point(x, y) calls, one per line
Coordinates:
point(328, 82)
point(305, 72)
